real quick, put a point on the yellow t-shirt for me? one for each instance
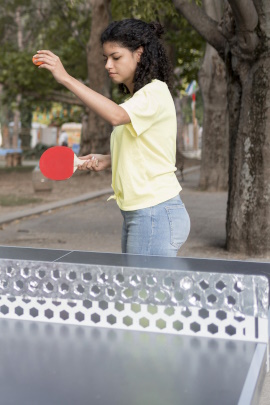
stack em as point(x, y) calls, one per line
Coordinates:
point(143, 152)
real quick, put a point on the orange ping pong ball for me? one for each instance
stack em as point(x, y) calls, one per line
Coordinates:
point(36, 62)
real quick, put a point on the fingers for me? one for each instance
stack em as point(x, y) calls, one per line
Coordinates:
point(93, 159)
point(90, 164)
point(46, 52)
point(86, 157)
point(85, 165)
point(46, 59)
point(94, 163)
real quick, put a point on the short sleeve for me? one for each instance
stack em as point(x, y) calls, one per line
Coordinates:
point(143, 109)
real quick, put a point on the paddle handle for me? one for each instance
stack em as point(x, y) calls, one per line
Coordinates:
point(78, 162)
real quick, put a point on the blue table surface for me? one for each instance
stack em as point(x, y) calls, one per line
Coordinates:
point(54, 364)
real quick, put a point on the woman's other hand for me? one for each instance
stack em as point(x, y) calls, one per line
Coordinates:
point(51, 62)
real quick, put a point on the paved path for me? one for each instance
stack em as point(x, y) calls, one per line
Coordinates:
point(4, 219)
point(85, 223)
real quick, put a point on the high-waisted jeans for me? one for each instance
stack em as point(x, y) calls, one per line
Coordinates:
point(159, 230)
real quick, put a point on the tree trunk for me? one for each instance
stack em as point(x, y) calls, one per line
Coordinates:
point(215, 138)
point(26, 123)
point(16, 121)
point(248, 211)
point(242, 39)
point(4, 120)
point(97, 136)
point(17, 114)
point(179, 116)
point(179, 140)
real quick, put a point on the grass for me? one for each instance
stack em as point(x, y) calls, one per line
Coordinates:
point(14, 201)
point(18, 169)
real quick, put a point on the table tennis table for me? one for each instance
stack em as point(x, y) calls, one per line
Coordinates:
point(100, 328)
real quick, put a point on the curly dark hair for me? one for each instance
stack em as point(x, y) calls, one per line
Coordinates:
point(154, 62)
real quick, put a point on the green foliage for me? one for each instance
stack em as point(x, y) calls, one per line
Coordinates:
point(68, 34)
point(186, 47)
point(148, 10)
point(61, 26)
point(36, 152)
point(187, 109)
point(20, 75)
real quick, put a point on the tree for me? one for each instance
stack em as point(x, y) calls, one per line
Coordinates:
point(63, 27)
point(185, 47)
point(215, 139)
point(40, 24)
point(14, 37)
point(96, 138)
point(242, 41)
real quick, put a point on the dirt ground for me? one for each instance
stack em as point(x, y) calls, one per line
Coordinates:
point(19, 184)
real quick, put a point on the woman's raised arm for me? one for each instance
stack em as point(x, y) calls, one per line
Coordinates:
point(104, 107)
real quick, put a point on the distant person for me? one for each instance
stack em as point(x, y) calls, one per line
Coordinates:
point(143, 143)
point(63, 138)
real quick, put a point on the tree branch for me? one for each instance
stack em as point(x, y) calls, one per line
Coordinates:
point(246, 20)
point(213, 9)
point(245, 14)
point(204, 25)
point(74, 32)
point(66, 98)
point(57, 96)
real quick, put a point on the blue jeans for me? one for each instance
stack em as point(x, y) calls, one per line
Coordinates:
point(159, 230)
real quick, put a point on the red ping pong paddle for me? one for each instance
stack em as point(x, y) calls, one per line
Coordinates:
point(59, 163)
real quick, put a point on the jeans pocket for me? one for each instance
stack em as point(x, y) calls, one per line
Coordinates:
point(179, 224)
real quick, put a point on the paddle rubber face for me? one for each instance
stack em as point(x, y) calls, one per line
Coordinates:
point(57, 163)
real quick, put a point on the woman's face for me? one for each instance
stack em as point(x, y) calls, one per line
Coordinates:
point(121, 63)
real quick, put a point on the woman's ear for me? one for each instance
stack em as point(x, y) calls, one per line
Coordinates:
point(139, 53)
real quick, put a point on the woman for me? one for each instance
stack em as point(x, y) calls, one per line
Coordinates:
point(143, 143)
